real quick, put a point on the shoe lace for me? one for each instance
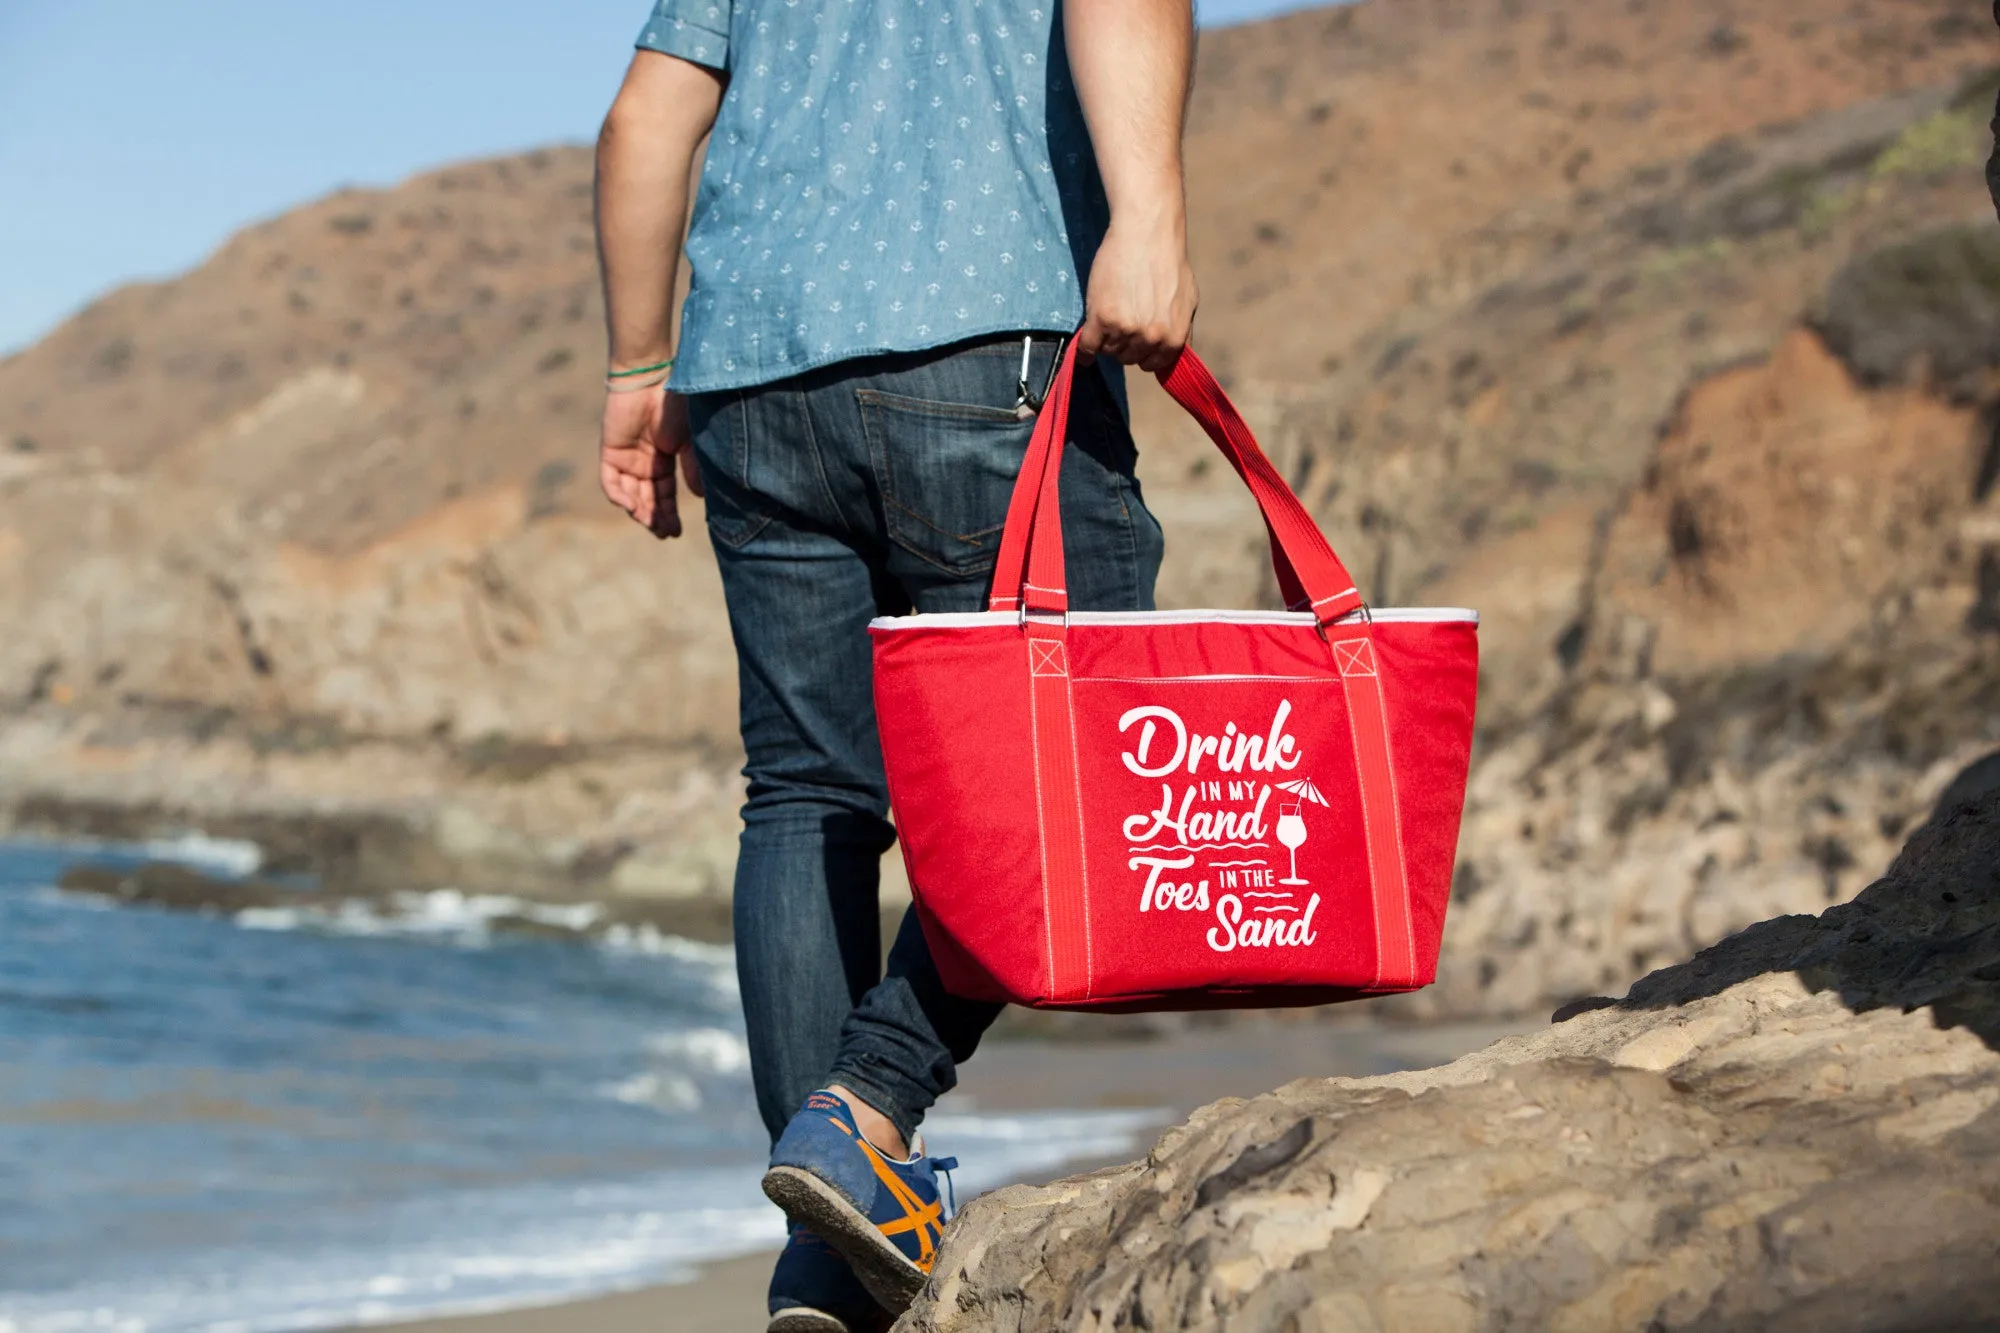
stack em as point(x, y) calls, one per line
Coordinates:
point(945, 1166)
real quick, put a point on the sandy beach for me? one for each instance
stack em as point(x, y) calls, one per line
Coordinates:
point(1176, 1073)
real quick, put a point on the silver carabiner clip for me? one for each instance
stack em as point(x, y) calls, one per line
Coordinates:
point(1026, 397)
point(1024, 400)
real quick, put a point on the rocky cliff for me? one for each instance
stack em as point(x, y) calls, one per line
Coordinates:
point(1798, 1129)
point(1563, 310)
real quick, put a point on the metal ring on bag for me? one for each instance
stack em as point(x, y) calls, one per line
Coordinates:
point(1045, 617)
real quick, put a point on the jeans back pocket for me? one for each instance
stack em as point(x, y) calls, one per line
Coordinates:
point(946, 472)
point(719, 424)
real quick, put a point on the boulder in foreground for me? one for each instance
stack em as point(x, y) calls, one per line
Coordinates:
point(1798, 1129)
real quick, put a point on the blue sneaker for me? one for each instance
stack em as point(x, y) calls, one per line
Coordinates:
point(814, 1291)
point(883, 1216)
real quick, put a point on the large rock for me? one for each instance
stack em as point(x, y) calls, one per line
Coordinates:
point(1798, 1129)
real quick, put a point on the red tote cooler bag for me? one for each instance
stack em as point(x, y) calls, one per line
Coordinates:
point(1187, 809)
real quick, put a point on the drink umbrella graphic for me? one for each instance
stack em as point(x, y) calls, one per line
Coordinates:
point(1291, 823)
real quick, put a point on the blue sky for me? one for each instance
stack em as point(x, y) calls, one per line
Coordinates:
point(135, 137)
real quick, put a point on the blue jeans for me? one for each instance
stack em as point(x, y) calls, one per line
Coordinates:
point(870, 488)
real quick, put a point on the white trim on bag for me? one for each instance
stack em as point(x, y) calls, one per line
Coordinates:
point(974, 619)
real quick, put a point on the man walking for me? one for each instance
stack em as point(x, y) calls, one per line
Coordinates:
point(905, 206)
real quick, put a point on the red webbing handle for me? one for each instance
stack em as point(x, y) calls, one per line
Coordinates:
point(1039, 471)
point(1316, 580)
point(1028, 573)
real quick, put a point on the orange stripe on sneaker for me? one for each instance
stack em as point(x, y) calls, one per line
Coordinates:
point(917, 1215)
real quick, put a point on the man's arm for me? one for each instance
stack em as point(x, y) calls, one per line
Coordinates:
point(1133, 61)
point(645, 159)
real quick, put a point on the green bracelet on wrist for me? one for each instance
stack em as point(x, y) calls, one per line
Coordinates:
point(667, 364)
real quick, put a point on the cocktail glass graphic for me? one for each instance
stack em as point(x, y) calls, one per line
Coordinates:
point(1291, 821)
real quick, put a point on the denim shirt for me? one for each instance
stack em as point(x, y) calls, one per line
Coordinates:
point(883, 176)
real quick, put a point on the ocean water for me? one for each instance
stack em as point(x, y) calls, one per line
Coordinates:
point(291, 1120)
